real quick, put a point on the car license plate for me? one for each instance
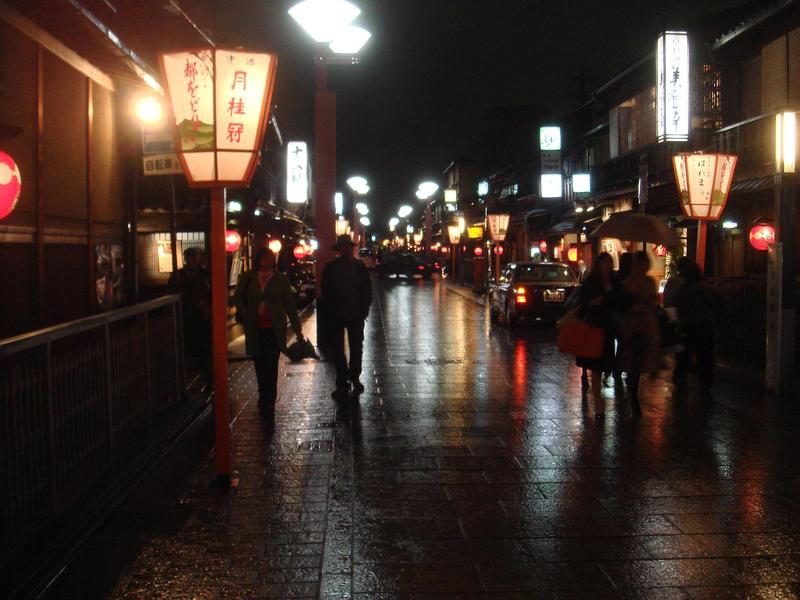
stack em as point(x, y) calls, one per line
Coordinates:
point(554, 295)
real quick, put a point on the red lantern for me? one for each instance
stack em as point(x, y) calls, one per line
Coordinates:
point(761, 236)
point(10, 184)
point(299, 252)
point(572, 254)
point(463, 248)
point(232, 241)
point(660, 251)
point(498, 250)
point(444, 249)
point(543, 247)
point(478, 251)
point(275, 245)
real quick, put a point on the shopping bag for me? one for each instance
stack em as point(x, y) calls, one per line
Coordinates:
point(581, 339)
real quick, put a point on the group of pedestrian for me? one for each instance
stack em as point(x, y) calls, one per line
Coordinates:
point(264, 302)
point(625, 305)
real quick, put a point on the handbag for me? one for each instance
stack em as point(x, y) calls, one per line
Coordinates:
point(581, 339)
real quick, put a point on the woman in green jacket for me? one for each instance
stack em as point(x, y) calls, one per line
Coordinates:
point(264, 299)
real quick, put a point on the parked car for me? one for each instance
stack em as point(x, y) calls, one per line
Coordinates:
point(529, 291)
point(405, 265)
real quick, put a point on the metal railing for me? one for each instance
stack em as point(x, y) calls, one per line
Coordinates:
point(73, 395)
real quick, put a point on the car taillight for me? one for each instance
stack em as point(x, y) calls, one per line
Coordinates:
point(521, 297)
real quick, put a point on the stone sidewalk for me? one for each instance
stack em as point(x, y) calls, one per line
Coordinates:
point(472, 468)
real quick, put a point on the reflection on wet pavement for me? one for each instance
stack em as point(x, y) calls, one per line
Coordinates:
point(470, 468)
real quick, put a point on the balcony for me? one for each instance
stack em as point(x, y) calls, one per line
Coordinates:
point(753, 141)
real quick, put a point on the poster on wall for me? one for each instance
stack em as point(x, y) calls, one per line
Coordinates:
point(164, 255)
point(109, 276)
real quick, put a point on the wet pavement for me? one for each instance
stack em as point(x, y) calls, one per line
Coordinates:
point(472, 468)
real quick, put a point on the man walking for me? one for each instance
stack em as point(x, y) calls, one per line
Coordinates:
point(346, 298)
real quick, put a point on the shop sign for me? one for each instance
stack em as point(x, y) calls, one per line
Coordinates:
point(475, 233)
point(551, 162)
point(550, 138)
point(498, 226)
point(162, 164)
point(297, 173)
point(673, 86)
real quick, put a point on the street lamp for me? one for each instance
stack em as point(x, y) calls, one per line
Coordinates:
point(404, 211)
point(362, 209)
point(365, 221)
point(393, 223)
point(324, 20)
point(149, 110)
point(359, 185)
point(425, 191)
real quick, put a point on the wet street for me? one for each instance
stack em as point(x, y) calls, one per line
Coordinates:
point(471, 468)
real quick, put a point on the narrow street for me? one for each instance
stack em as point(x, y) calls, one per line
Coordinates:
point(471, 468)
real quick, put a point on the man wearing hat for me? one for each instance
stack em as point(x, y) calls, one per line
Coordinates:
point(346, 298)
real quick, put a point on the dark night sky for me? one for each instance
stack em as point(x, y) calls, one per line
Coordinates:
point(434, 66)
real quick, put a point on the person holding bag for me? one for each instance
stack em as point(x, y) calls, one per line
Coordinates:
point(598, 301)
point(265, 300)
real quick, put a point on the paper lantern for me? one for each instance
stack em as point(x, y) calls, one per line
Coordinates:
point(761, 236)
point(10, 185)
point(478, 251)
point(543, 247)
point(232, 241)
point(275, 245)
point(704, 182)
point(299, 252)
point(454, 233)
point(499, 250)
point(572, 254)
point(659, 250)
point(444, 249)
point(498, 226)
point(219, 102)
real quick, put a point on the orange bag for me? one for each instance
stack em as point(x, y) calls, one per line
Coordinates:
point(581, 339)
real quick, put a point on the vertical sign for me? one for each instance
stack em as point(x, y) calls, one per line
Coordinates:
point(297, 172)
point(498, 226)
point(673, 84)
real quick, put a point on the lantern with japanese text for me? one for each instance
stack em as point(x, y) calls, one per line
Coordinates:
point(218, 102)
point(454, 233)
point(704, 182)
point(232, 241)
point(10, 184)
point(498, 226)
point(761, 236)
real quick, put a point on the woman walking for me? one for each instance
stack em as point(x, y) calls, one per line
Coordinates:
point(598, 301)
point(640, 335)
point(264, 300)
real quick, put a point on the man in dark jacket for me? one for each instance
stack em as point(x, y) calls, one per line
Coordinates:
point(346, 298)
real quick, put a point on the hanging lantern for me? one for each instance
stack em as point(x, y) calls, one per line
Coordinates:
point(761, 236)
point(660, 251)
point(10, 184)
point(218, 102)
point(232, 241)
point(543, 247)
point(342, 226)
point(444, 249)
point(275, 245)
point(572, 253)
point(478, 251)
point(704, 182)
point(499, 250)
point(299, 252)
point(498, 226)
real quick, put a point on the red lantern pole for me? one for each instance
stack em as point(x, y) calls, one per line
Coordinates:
point(702, 236)
point(219, 335)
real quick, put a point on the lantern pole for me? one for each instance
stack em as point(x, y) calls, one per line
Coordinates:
point(219, 307)
point(702, 238)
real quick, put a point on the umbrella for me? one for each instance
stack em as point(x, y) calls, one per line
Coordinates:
point(637, 227)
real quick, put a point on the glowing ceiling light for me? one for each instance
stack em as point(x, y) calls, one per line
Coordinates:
point(404, 211)
point(324, 20)
point(427, 189)
point(357, 183)
point(149, 110)
point(350, 40)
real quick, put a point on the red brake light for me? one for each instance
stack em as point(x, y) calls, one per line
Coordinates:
point(522, 299)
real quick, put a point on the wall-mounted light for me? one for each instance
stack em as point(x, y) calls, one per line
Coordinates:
point(785, 142)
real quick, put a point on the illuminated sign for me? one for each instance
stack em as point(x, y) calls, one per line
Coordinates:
point(549, 138)
point(673, 82)
point(475, 233)
point(297, 173)
point(450, 195)
point(552, 186)
point(581, 183)
point(483, 188)
point(338, 203)
point(219, 101)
